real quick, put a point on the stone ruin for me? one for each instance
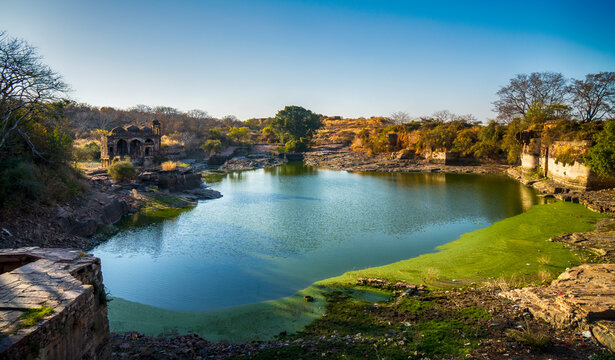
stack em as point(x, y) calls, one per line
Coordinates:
point(541, 159)
point(141, 145)
point(67, 281)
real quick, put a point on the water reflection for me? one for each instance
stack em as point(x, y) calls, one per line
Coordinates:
point(277, 230)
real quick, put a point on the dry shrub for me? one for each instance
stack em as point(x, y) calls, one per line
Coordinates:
point(544, 260)
point(169, 166)
point(168, 141)
point(545, 276)
point(431, 274)
point(499, 284)
point(529, 337)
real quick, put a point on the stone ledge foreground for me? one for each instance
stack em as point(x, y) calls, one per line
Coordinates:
point(68, 281)
point(582, 297)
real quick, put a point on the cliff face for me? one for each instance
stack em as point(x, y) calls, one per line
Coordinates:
point(68, 286)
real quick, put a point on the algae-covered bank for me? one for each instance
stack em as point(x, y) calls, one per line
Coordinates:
point(228, 268)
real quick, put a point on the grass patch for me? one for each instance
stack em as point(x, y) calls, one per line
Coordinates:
point(31, 317)
point(213, 176)
point(164, 205)
point(87, 165)
point(356, 329)
point(529, 337)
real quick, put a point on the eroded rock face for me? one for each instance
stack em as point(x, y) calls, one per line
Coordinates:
point(67, 281)
point(582, 297)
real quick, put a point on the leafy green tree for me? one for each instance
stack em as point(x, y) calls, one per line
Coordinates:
point(294, 122)
point(465, 140)
point(211, 146)
point(239, 134)
point(601, 157)
point(87, 152)
point(268, 134)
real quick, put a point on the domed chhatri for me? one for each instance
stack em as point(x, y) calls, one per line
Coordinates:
point(141, 145)
point(118, 131)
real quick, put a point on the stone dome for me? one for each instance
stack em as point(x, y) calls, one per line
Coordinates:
point(132, 128)
point(146, 130)
point(118, 131)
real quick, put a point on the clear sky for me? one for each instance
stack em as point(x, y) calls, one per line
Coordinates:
point(350, 58)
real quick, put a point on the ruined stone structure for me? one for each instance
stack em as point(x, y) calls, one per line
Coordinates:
point(141, 145)
point(67, 281)
point(546, 161)
point(442, 157)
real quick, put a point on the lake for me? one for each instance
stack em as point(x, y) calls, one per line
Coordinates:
point(278, 230)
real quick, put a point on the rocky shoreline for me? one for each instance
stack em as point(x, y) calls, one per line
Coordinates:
point(251, 162)
point(90, 219)
point(341, 157)
point(601, 201)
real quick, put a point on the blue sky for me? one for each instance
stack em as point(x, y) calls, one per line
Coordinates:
point(349, 58)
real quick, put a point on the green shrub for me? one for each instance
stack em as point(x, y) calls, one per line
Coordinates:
point(601, 157)
point(122, 171)
point(239, 135)
point(293, 145)
point(19, 182)
point(87, 152)
point(23, 182)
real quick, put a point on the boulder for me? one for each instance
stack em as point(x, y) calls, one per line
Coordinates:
point(83, 228)
point(582, 297)
point(604, 332)
point(113, 212)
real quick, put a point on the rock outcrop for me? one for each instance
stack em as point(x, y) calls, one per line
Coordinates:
point(581, 298)
point(251, 162)
point(600, 242)
point(69, 284)
point(101, 209)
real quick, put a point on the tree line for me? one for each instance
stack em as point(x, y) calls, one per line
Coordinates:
point(588, 99)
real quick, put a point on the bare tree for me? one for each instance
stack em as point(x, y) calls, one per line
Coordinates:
point(400, 117)
point(166, 110)
point(594, 97)
point(525, 91)
point(198, 114)
point(26, 84)
point(142, 108)
point(446, 116)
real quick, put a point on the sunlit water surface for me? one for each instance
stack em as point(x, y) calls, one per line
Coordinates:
point(278, 230)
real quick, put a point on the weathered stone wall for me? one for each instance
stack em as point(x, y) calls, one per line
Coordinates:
point(576, 175)
point(70, 283)
point(530, 156)
point(572, 174)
